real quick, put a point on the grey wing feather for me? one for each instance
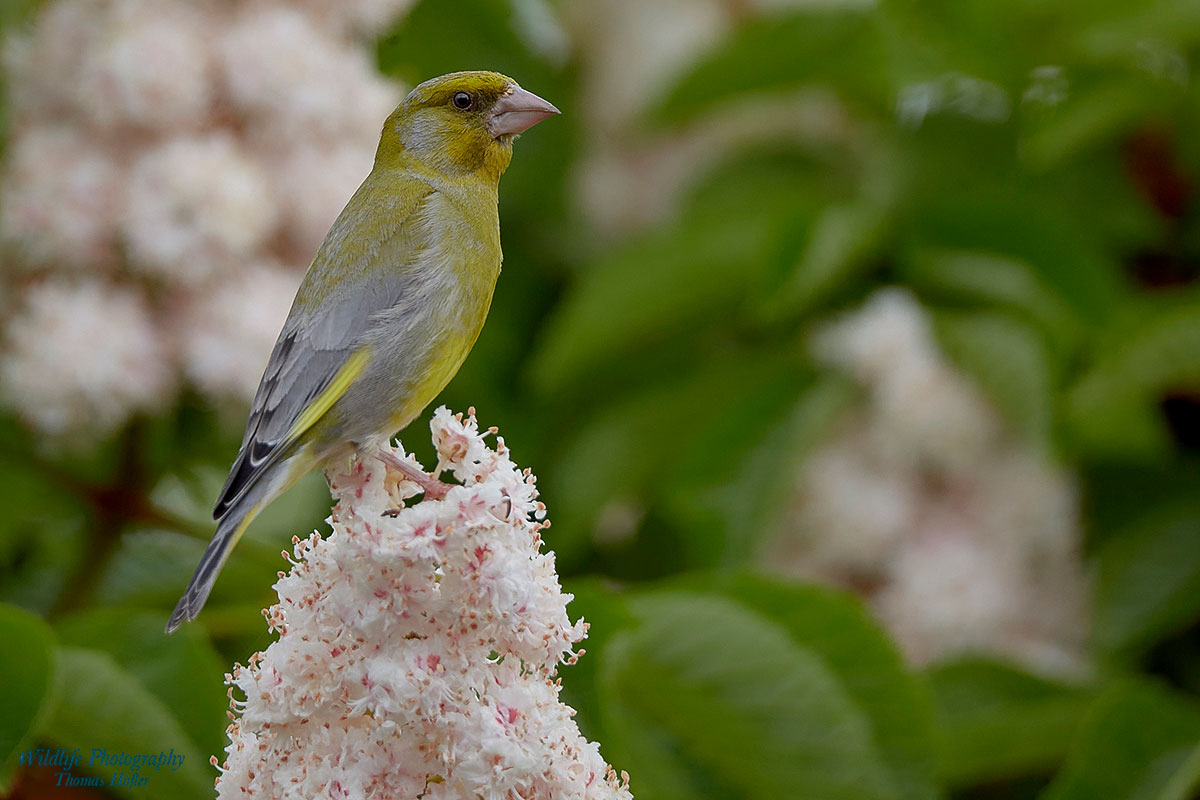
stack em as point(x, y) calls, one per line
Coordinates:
point(295, 360)
point(308, 354)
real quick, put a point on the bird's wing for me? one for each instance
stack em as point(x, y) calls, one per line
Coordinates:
point(319, 353)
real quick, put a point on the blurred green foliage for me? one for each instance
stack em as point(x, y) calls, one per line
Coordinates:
point(1052, 229)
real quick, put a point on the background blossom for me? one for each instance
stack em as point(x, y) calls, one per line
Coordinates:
point(165, 148)
point(964, 538)
point(84, 351)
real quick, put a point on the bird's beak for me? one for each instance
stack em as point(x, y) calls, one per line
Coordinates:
point(517, 112)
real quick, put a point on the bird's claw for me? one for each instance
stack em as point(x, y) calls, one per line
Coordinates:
point(433, 488)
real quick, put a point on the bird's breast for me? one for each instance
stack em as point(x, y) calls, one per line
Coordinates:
point(420, 343)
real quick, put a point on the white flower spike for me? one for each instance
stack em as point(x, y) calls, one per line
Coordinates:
point(417, 648)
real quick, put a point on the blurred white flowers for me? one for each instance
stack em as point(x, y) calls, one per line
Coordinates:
point(197, 209)
point(963, 537)
point(417, 649)
point(84, 352)
point(62, 198)
point(224, 334)
point(169, 150)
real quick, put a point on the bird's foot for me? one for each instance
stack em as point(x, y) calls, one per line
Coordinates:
point(433, 488)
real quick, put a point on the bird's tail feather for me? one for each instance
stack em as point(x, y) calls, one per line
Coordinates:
point(229, 530)
point(269, 485)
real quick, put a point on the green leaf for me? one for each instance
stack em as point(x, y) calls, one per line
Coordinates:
point(604, 608)
point(999, 722)
point(1091, 116)
point(778, 53)
point(707, 698)
point(1159, 351)
point(150, 569)
point(764, 178)
point(938, 37)
point(42, 556)
point(102, 707)
point(838, 629)
point(665, 297)
point(1121, 33)
point(188, 495)
point(1138, 741)
point(626, 454)
point(648, 747)
point(841, 246)
point(27, 670)
point(994, 280)
point(1117, 429)
point(16, 12)
point(963, 201)
point(678, 281)
point(1117, 496)
point(182, 670)
point(1009, 362)
point(42, 543)
point(1174, 776)
point(730, 503)
point(1149, 351)
point(1148, 579)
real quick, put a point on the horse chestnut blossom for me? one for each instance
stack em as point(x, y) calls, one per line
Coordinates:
point(84, 350)
point(962, 536)
point(159, 154)
point(418, 647)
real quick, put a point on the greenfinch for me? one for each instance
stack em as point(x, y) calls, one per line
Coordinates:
point(390, 306)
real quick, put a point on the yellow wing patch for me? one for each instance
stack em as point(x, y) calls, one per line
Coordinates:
point(350, 371)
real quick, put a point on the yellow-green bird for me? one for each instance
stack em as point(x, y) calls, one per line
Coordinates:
point(390, 306)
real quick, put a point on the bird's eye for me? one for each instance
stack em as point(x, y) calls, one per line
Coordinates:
point(461, 100)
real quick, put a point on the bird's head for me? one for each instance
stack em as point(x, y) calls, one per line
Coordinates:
point(462, 124)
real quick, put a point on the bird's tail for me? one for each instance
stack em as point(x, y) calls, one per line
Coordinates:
point(274, 481)
point(229, 530)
